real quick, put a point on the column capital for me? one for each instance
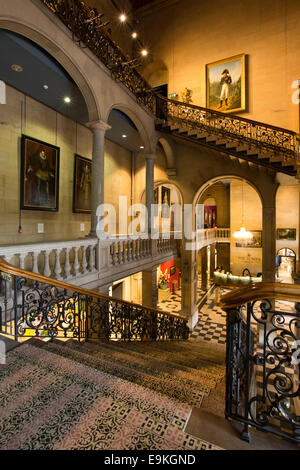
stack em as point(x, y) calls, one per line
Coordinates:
point(149, 156)
point(99, 125)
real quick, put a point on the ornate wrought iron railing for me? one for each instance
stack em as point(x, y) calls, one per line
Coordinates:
point(263, 357)
point(32, 305)
point(269, 139)
point(87, 29)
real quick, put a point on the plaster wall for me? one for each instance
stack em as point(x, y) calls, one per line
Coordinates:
point(189, 34)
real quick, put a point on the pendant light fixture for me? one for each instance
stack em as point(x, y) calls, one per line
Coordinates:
point(243, 235)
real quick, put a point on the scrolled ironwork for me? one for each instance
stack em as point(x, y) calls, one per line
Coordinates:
point(88, 31)
point(263, 387)
point(48, 311)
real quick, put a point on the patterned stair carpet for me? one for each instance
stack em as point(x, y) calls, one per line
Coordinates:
point(49, 401)
point(175, 369)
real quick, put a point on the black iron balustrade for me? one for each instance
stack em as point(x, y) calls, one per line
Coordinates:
point(263, 357)
point(88, 30)
point(36, 306)
point(269, 139)
point(86, 25)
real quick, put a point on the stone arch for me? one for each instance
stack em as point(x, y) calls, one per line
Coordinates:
point(62, 58)
point(156, 73)
point(217, 179)
point(143, 131)
point(170, 156)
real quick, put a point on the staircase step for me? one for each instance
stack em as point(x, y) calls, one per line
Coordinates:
point(65, 405)
point(169, 386)
point(169, 368)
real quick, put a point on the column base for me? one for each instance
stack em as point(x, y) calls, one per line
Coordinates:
point(193, 319)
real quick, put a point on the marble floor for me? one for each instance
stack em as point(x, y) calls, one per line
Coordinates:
point(171, 302)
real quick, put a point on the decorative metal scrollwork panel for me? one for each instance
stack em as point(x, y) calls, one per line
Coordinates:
point(263, 367)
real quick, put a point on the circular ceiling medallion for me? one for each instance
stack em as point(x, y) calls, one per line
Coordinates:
point(17, 68)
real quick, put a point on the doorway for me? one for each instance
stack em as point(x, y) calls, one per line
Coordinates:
point(286, 264)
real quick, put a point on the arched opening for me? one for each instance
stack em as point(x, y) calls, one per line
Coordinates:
point(54, 68)
point(222, 207)
point(157, 75)
point(285, 264)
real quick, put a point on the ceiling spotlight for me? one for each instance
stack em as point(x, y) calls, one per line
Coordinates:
point(67, 99)
point(45, 87)
point(124, 136)
point(142, 147)
point(134, 35)
point(123, 18)
point(17, 68)
point(144, 52)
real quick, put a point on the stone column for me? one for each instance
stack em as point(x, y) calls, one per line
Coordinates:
point(212, 260)
point(204, 269)
point(150, 288)
point(150, 158)
point(189, 287)
point(269, 243)
point(99, 129)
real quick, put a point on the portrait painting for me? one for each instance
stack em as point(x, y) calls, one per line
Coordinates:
point(39, 175)
point(82, 185)
point(166, 202)
point(226, 85)
point(286, 234)
point(255, 242)
point(210, 216)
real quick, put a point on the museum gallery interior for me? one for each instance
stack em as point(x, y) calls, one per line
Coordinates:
point(149, 225)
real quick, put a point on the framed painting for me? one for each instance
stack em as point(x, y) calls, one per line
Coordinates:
point(82, 185)
point(226, 85)
point(39, 175)
point(286, 234)
point(255, 242)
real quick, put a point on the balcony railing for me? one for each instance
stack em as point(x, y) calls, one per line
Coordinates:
point(86, 26)
point(87, 260)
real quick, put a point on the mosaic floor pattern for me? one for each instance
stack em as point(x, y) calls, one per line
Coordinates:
point(51, 402)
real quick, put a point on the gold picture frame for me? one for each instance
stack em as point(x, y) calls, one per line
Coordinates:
point(226, 85)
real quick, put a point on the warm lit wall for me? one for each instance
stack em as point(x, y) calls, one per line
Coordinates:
point(245, 200)
point(45, 124)
point(189, 34)
point(287, 215)
point(221, 193)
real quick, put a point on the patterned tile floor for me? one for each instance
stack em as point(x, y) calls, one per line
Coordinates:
point(171, 302)
point(212, 321)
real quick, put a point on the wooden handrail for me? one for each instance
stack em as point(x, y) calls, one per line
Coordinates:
point(14, 271)
point(261, 291)
point(228, 116)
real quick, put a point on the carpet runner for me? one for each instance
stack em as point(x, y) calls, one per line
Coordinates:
point(49, 400)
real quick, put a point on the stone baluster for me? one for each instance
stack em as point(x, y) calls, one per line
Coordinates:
point(47, 270)
point(35, 268)
point(129, 254)
point(92, 259)
point(120, 254)
point(84, 263)
point(114, 254)
point(124, 251)
point(22, 257)
point(67, 269)
point(57, 267)
point(76, 265)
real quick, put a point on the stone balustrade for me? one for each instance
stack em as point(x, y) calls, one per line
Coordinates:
point(90, 262)
point(66, 260)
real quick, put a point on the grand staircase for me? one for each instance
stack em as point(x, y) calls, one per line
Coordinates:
point(256, 142)
point(186, 371)
point(68, 396)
